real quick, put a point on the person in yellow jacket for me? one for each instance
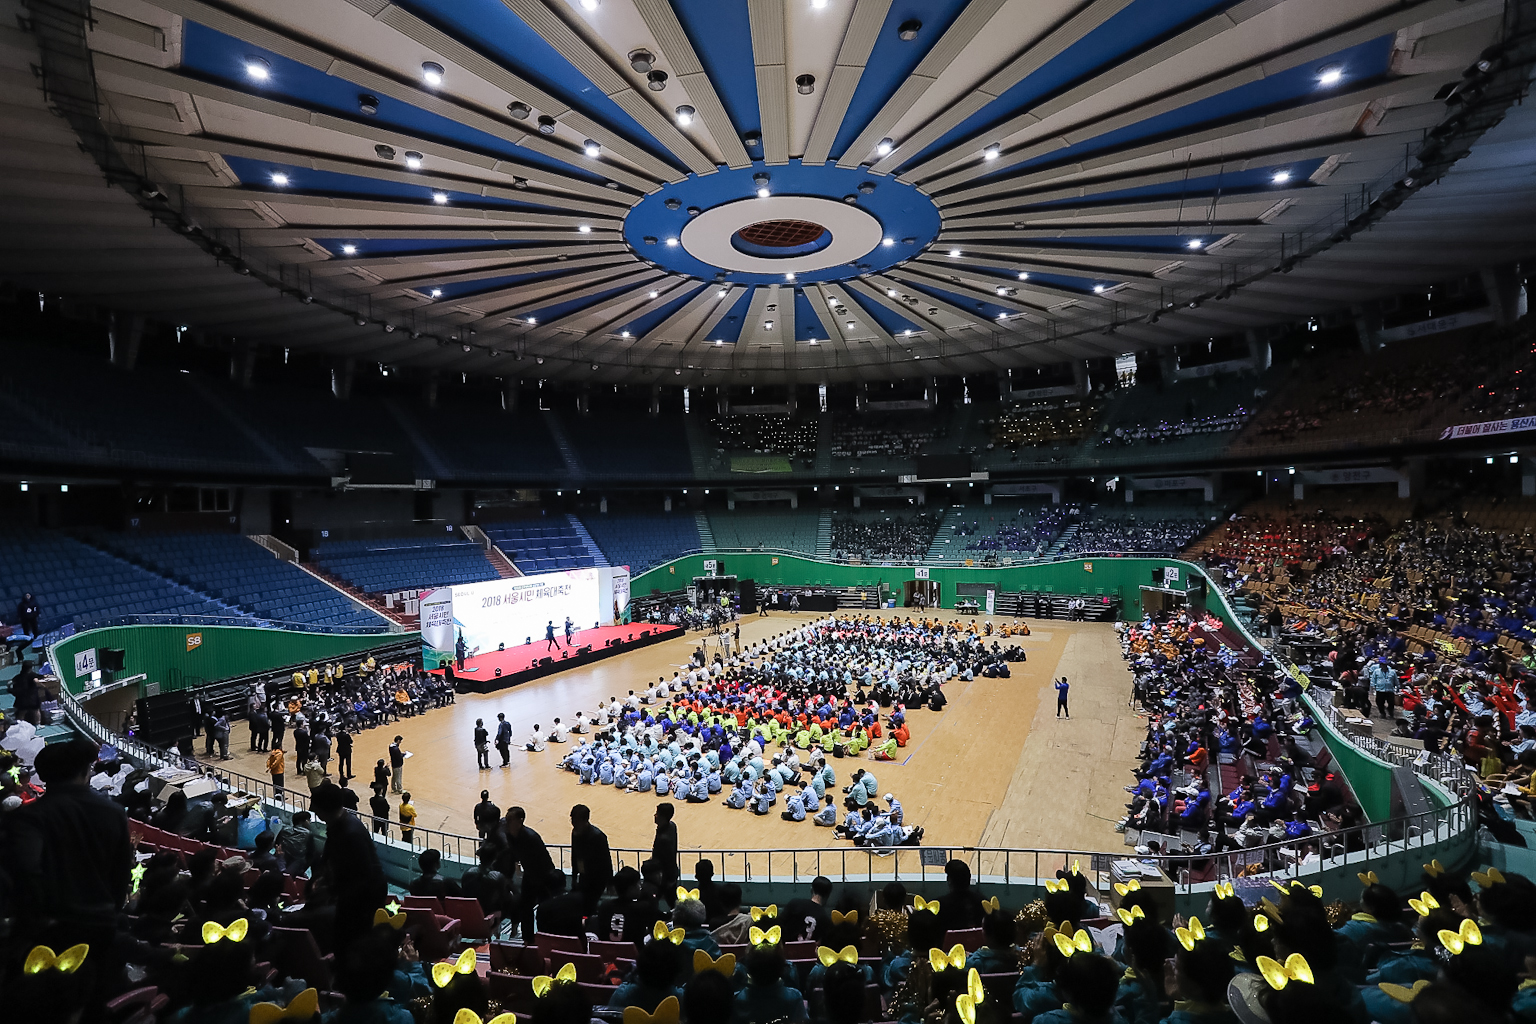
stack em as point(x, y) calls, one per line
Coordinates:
point(407, 817)
point(275, 762)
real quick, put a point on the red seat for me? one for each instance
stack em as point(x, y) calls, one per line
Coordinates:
point(474, 923)
point(600, 994)
point(804, 950)
point(971, 938)
point(298, 956)
point(138, 1006)
point(548, 943)
point(589, 967)
point(423, 903)
point(510, 959)
point(513, 991)
point(437, 936)
point(612, 951)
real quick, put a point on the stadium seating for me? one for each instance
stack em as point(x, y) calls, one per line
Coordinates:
point(782, 529)
point(240, 572)
point(641, 541)
point(75, 583)
point(545, 545)
point(613, 446)
point(879, 535)
point(401, 563)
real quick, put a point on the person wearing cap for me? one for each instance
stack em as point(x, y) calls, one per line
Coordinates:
point(895, 811)
point(1383, 682)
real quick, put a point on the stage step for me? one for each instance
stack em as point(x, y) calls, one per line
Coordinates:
point(586, 538)
point(706, 535)
point(824, 535)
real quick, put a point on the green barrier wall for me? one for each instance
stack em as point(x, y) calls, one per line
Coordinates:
point(177, 657)
point(1370, 777)
point(1091, 577)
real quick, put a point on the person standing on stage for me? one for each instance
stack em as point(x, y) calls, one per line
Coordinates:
point(570, 628)
point(482, 745)
point(460, 648)
point(549, 636)
point(591, 861)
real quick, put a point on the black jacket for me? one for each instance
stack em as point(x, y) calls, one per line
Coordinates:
point(591, 860)
point(68, 855)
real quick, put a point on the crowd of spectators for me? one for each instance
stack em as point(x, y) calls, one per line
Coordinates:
point(1266, 540)
point(894, 538)
point(1164, 431)
point(765, 435)
point(1141, 536)
point(888, 434)
point(1038, 424)
point(1027, 532)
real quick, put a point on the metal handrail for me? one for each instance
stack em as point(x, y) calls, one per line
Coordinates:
point(244, 621)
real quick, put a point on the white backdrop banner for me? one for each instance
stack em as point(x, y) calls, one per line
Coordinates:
point(511, 611)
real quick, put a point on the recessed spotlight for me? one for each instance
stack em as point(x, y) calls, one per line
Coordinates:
point(1330, 75)
point(720, 293)
point(851, 324)
point(884, 147)
point(279, 178)
point(258, 69)
point(585, 229)
point(890, 293)
point(1196, 243)
point(432, 73)
point(1097, 289)
point(718, 342)
point(440, 198)
point(531, 320)
point(954, 254)
point(546, 125)
point(818, 5)
point(384, 152)
point(907, 333)
point(1281, 177)
point(591, 148)
point(519, 109)
point(790, 276)
point(805, 84)
point(656, 80)
point(767, 325)
point(654, 294)
point(368, 103)
point(1002, 291)
point(437, 293)
point(908, 30)
point(752, 139)
point(349, 250)
point(1023, 275)
point(761, 181)
point(685, 115)
point(888, 242)
point(671, 241)
point(992, 151)
point(413, 160)
point(589, 5)
point(1002, 316)
point(623, 334)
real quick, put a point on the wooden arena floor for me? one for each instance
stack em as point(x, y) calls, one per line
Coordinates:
point(996, 767)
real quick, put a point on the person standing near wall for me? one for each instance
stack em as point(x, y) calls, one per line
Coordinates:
point(275, 769)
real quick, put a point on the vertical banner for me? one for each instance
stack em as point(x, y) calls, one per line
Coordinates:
point(437, 634)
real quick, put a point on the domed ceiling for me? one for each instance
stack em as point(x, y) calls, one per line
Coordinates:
point(624, 190)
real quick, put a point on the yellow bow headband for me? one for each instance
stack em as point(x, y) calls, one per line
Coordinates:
point(1226, 891)
point(668, 1011)
point(1279, 975)
point(662, 932)
point(1368, 878)
point(1189, 936)
point(1081, 942)
point(443, 972)
point(1261, 923)
point(468, 1016)
point(686, 894)
point(1127, 916)
point(236, 932)
point(940, 960)
point(1315, 890)
point(1468, 935)
point(68, 962)
point(991, 905)
point(1126, 888)
point(1491, 877)
point(702, 962)
point(383, 916)
point(770, 937)
point(1076, 870)
point(1057, 885)
point(852, 917)
point(1424, 904)
point(974, 995)
point(302, 1007)
point(932, 906)
point(771, 910)
point(1434, 869)
point(566, 975)
point(829, 956)
point(1402, 993)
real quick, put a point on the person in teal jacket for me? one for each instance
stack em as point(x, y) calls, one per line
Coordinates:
point(1202, 968)
point(1141, 999)
point(654, 978)
point(1364, 936)
point(1088, 984)
point(765, 997)
point(998, 955)
point(1033, 998)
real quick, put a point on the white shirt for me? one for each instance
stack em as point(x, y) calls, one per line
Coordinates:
point(557, 733)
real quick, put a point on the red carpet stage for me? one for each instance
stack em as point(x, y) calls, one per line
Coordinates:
point(532, 661)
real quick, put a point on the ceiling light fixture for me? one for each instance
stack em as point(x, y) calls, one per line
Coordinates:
point(656, 80)
point(761, 181)
point(1330, 75)
point(954, 254)
point(671, 241)
point(349, 250)
point(440, 198)
point(767, 325)
point(653, 294)
point(437, 293)
point(589, 5)
point(531, 320)
point(623, 334)
point(591, 148)
point(1281, 177)
point(805, 84)
point(546, 125)
point(368, 104)
point(258, 68)
point(1002, 291)
point(720, 294)
point(279, 178)
point(992, 152)
point(851, 324)
point(432, 73)
point(907, 333)
point(890, 293)
point(1098, 289)
point(718, 342)
point(888, 242)
point(789, 276)
point(585, 229)
point(519, 110)
point(1023, 275)
point(685, 115)
point(1196, 243)
point(413, 160)
point(884, 147)
point(818, 5)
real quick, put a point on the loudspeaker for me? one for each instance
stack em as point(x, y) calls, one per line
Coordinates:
point(1199, 586)
point(1157, 576)
point(110, 659)
point(545, 662)
point(498, 672)
point(583, 650)
point(747, 591)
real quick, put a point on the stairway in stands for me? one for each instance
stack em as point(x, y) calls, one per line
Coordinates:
point(1061, 542)
point(706, 535)
point(824, 535)
point(586, 538)
point(946, 545)
point(373, 602)
point(563, 445)
point(493, 554)
point(823, 444)
point(700, 448)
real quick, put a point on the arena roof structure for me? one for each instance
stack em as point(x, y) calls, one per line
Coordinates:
point(791, 190)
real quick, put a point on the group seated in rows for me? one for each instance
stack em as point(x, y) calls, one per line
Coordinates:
point(1144, 536)
point(883, 538)
point(1164, 431)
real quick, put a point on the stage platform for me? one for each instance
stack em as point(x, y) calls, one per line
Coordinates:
point(536, 660)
